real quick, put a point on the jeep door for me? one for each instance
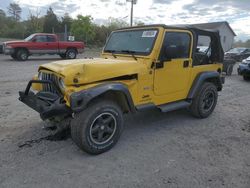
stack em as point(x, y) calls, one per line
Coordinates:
point(173, 69)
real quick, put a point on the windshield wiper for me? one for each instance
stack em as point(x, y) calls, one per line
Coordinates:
point(112, 52)
point(130, 52)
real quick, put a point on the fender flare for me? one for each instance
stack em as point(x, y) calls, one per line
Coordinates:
point(79, 100)
point(211, 76)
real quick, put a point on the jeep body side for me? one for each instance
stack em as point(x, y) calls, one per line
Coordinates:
point(153, 66)
point(40, 44)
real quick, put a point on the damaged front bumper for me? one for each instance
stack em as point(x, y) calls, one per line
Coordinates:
point(46, 103)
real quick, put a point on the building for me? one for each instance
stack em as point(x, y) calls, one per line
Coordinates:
point(226, 32)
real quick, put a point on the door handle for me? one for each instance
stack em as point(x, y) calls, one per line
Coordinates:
point(185, 63)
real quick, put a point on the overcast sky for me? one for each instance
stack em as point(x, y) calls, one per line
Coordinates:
point(236, 12)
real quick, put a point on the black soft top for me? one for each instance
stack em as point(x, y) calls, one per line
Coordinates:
point(217, 53)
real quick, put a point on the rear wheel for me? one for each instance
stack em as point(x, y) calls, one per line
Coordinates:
point(71, 54)
point(205, 101)
point(22, 55)
point(98, 128)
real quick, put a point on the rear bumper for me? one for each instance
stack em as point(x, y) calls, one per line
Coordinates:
point(46, 103)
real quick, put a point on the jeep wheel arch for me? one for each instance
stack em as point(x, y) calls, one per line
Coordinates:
point(211, 76)
point(115, 91)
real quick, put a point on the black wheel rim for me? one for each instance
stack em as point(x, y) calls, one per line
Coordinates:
point(208, 101)
point(103, 128)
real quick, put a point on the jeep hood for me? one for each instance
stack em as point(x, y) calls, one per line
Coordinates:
point(92, 70)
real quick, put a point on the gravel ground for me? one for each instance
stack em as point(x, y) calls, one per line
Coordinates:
point(155, 150)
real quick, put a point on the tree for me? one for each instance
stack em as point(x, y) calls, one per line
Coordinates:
point(15, 11)
point(82, 28)
point(115, 23)
point(2, 13)
point(34, 24)
point(66, 20)
point(51, 23)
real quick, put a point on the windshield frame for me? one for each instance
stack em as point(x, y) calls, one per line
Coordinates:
point(135, 53)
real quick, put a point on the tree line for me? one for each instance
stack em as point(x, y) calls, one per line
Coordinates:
point(82, 27)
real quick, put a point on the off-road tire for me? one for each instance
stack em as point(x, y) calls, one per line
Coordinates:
point(246, 78)
point(83, 123)
point(71, 54)
point(229, 70)
point(22, 55)
point(63, 56)
point(205, 101)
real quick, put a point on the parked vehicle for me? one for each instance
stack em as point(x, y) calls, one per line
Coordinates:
point(244, 69)
point(141, 67)
point(40, 44)
point(238, 54)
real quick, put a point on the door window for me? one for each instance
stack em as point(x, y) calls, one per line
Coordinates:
point(51, 38)
point(176, 45)
point(41, 38)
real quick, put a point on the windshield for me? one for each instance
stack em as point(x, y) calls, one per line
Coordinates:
point(29, 38)
point(237, 50)
point(132, 41)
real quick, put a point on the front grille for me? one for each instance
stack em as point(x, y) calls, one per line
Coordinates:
point(51, 77)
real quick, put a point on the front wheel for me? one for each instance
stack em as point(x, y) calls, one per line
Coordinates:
point(205, 100)
point(98, 128)
point(22, 55)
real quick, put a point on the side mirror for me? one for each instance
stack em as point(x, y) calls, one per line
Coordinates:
point(34, 40)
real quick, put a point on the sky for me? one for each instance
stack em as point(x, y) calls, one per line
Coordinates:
point(236, 12)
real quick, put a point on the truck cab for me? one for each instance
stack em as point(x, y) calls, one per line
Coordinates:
point(154, 66)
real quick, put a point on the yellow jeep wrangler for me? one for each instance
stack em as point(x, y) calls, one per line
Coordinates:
point(154, 66)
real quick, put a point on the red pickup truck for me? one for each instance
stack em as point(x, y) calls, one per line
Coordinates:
point(42, 43)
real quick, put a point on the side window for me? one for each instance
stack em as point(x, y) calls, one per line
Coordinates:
point(176, 45)
point(51, 38)
point(41, 38)
point(202, 54)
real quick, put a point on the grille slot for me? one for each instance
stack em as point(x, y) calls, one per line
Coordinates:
point(50, 77)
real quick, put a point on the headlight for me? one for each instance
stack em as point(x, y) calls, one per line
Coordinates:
point(61, 83)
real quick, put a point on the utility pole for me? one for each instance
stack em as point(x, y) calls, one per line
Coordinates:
point(133, 2)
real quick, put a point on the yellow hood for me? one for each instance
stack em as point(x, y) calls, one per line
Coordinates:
point(91, 70)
